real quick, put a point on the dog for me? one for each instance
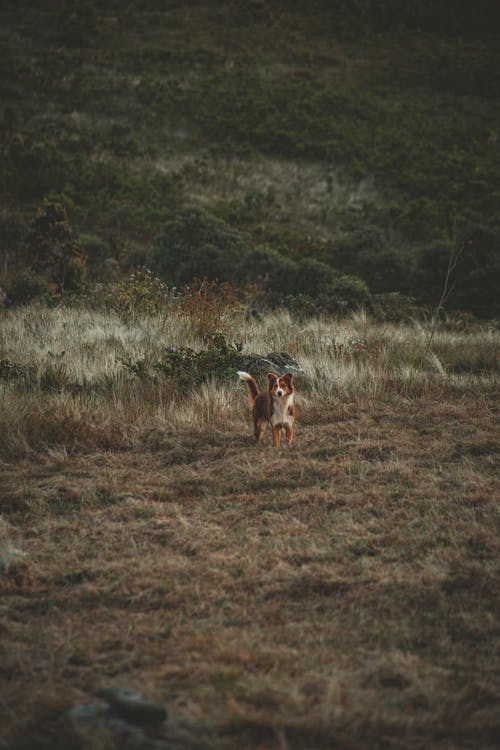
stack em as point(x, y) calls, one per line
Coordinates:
point(275, 405)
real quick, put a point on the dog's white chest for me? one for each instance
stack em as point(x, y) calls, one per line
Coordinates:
point(280, 413)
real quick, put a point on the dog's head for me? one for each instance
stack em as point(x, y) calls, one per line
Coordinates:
point(280, 386)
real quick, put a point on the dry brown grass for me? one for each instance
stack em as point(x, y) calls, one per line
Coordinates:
point(341, 593)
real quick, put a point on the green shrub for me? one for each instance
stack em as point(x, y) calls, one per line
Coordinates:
point(314, 287)
point(274, 272)
point(220, 360)
point(397, 308)
point(54, 249)
point(12, 233)
point(475, 280)
point(96, 248)
point(102, 266)
point(10, 370)
point(306, 285)
point(478, 274)
point(142, 293)
point(366, 253)
point(196, 244)
point(187, 367)
point(25, 287)
point(347, 293)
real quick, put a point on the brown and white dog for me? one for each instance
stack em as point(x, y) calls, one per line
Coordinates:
point(274, 405)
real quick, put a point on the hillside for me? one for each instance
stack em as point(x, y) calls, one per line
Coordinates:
point(358, 136)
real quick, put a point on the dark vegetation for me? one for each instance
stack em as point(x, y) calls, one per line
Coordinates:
point(330, 153)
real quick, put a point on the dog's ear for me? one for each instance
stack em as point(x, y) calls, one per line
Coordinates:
point(272, 377)
point(288, 378)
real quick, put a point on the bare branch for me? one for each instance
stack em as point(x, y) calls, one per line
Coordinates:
point(455, 254)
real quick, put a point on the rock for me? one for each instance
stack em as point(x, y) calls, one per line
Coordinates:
point(278, 362)
point(10, 556)
point(284, 362)
point(132, 706)
point(88, 715)
point(14, 565)
point(90, 725)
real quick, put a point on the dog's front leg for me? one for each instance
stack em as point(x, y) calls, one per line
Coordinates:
point(276, 436)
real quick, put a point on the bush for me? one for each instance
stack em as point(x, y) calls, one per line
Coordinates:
point(54, 249)
point(474, 284)
point(308, 285)
point(314, 287)
point(209, 304)
point(10, 370)
point(187, 367)
point(142, 293)
point(397, 308)
point(367, 254)
point(347, 293)
point(273, 272)
point(478, 274)
point(25, 287)
point(12, 233)
point(196, 244)
point(98, 253)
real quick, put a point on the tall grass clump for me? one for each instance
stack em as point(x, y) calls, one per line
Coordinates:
point(83, 378)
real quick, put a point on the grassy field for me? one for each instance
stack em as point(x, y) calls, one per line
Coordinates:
point(339, 593)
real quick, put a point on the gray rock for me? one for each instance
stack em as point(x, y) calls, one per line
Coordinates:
point(87, 714)
point(92, 725)
point(284, 362)
point(278, 362)
point(132, 706)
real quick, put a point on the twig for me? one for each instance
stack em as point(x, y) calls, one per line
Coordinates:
point(455, 254)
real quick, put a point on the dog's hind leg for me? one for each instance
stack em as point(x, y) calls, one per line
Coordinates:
point(260, 426)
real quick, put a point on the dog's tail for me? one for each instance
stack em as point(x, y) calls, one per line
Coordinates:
point(252, 388)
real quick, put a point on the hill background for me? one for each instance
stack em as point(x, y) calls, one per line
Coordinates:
point(359, 139)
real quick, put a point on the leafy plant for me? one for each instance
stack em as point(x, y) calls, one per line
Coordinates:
point(25, 287)
point(397, 308)
point(10, 370)
point(210, 303)
point(142, 293)
point(219, 361)
point(54, 249)
point(317, 288)
point(195, 243)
